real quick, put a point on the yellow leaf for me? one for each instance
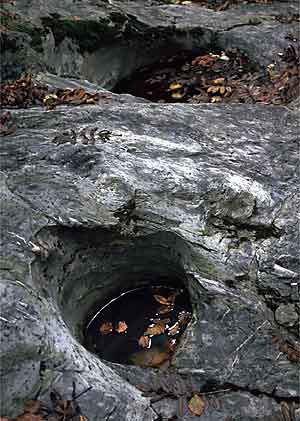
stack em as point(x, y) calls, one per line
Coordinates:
point(196, 405)
point(50, 98)
point(173, 330)
point(216, 99)
point(177, 95)
point(161, 299)
point(213, 89)
point(175, 86)
point(219, 81)
point(121, 327)
point(222, 90)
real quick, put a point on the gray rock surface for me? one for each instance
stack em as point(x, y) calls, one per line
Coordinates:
point(216, 197)
point(286, 315)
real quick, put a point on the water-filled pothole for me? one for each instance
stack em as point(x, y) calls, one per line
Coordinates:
point(142, 326)
point(215, 76)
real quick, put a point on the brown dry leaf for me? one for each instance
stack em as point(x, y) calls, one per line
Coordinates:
point(156, 329)
point(219, 81)
point(166, 301)
point(121, 327)
point(161, 300)
point(144, 341)
point(106, 328)
point(196, 405)
point(171, 345)
point(216, 99)
point(184, 317)
point(165, 321)
point(165, 309)
point(222, 90)
point(32, 406)
point(173, 330)
point(206, 60)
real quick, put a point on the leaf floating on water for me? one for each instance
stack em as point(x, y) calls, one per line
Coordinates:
point(144, 341)
point(196, 405)
point(166, 301)
point(121, 327)
point(173, 330)
point(184, 317)
point(156, 329)
point(165, 309)
point(161, 300)
point(106, 328)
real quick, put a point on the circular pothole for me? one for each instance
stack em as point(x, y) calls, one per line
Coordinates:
point(141, 326)
point(215, 76)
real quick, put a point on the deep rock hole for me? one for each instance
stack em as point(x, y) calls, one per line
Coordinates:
point(126, 300)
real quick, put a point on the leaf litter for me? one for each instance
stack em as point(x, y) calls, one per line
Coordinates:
point(24, 92)
point(60, 410)
point(218, 77)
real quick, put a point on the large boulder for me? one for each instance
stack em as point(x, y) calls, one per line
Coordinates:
point(215, 193)
point(99, 199)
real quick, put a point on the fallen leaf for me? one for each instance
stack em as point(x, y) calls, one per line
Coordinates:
point(222, 90)
point(184, 317)
point(174, 86)
point(173, 330)
point(50, 99)
point(144, 341)
point(216, 99)
point(121, 327)
point(196, 405)
point(213, 89)
point(32, 406)
point(156, 329)
point(106, 328)
point(167, 301)
point(161, 300)
point(219, 81)
point(177, 95)
point(165, 309)
point(152, 357)
point(165, 321)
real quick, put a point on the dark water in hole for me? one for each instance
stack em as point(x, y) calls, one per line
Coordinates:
point(136, 307)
